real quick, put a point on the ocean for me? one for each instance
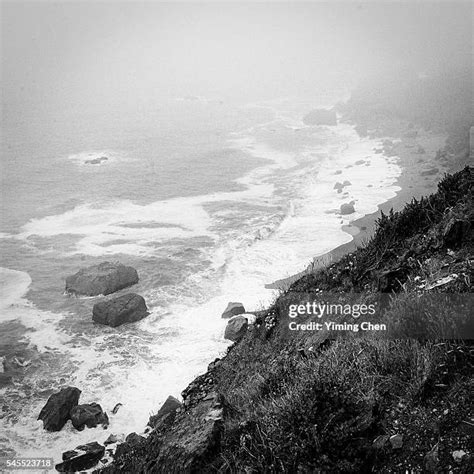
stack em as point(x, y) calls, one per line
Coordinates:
point(209, 200)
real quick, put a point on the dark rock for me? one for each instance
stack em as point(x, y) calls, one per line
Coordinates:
point(83, 457)
point(116, 408)
point(89, 415)
point(96, 161)
point(320, 117)
point(359, 162)
point(347, 208)
point(186, 449)
point(168, 408)
point(213, 364)
point(233, 309)
point(101, 279)
point(55, 413)
point(236, 328)
point(134, 438)
point(111, 439)
point(455, 232)
point(124, 309)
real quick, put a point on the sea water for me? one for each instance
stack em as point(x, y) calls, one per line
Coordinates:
point(208, 200)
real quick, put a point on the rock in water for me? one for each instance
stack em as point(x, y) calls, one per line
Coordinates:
point(81, 458)
point(320, 117)
point(124, 309)
point(89, 415)
point(96, 161)
point(236, 328)
point(233, 309)
point(347, 208)
point(58, 407)
point(101, 279)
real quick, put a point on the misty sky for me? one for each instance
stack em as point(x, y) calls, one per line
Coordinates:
point(72, 53)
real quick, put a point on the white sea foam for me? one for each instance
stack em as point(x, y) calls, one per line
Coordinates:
point(44, 335)
point(187, 335)
point(129, 228)
point(13, 286)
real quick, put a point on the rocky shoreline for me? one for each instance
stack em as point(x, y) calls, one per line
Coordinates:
point(217, 426)
point(214, 418)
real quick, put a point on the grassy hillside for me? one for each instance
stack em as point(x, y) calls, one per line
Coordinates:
point(315, 402)
point(324, 401)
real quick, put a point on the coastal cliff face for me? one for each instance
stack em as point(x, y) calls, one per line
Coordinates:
point(323, 401)
point(316, 402)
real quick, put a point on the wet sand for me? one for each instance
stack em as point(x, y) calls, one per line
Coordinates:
point(421, 172)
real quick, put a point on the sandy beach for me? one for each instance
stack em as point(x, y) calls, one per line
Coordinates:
point(413, 150)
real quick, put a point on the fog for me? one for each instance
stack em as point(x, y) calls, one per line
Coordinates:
point(57, 55)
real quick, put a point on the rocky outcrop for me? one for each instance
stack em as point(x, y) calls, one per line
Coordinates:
point(321, 117)
point(57, 410)
point(81, 458)
point(236, 328)
point(134, 438)
point(456, 231)
point(124, 309)
point(233, 309)
point(101, 279)
point(96, 161)
point(167, 411)
point(186, 447)
point(89, 415)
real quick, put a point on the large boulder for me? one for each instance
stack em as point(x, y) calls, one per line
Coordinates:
point(89, 415)
point(57, 410)
point(167, 411)
point(96, 161)
point(233, 309)
point(347, 208)
point(236, 328)
point(82, 458)
point(124, 309)
point(101, 279)
point(321, 117)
